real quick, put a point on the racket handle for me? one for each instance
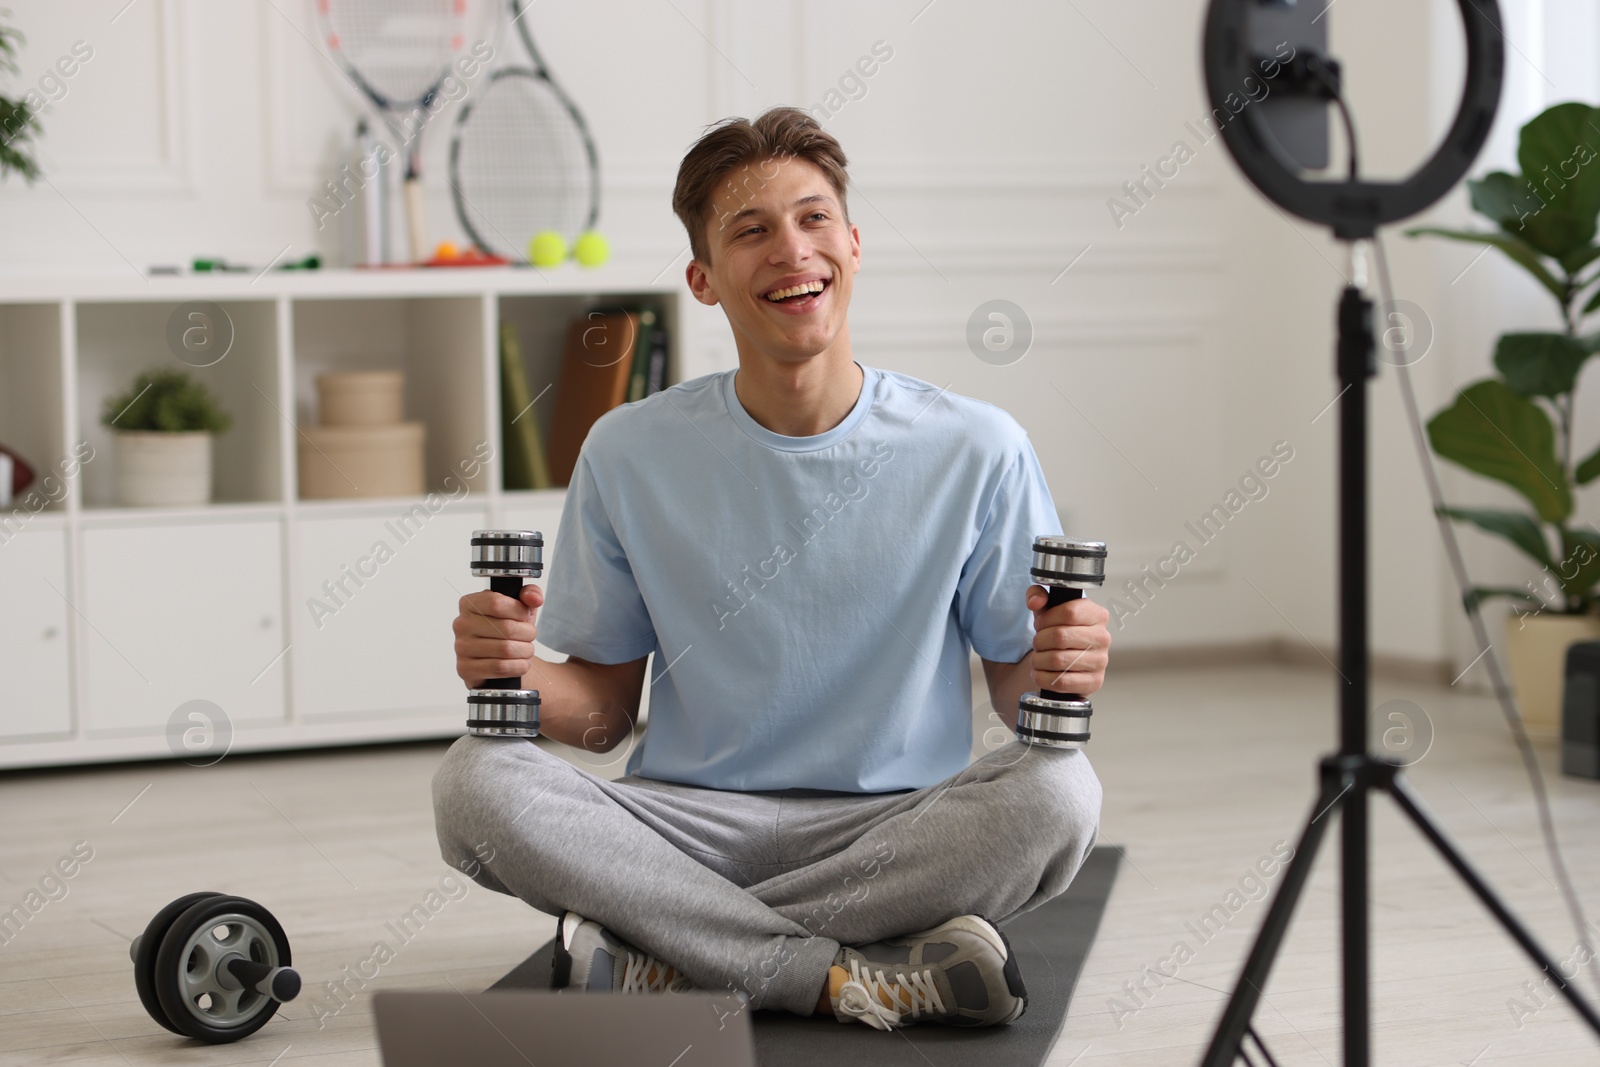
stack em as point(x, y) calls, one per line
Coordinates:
point(375, 202)
point(416, 225)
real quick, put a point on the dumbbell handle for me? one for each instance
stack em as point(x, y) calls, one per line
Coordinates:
point(1060, 594)
point(506, 585)
point(279, 983)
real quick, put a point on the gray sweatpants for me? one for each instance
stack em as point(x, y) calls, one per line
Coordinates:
point(754, 892)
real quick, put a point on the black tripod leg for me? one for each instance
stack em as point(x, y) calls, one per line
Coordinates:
point(1354, 934)
point(1261, 1046)
point(1229, 1036)
point(1412, 807)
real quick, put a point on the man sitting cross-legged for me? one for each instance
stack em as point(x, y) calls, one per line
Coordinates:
point(811, 547)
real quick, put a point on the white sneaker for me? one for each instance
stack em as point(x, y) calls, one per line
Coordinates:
point(588, 959)
point(960, 973)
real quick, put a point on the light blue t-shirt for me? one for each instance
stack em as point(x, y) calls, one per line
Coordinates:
point(810, 600)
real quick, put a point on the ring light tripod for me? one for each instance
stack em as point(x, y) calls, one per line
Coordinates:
point(1236, 36)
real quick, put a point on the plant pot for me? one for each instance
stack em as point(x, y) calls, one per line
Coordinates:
point(159, 469)
point(1536, 652)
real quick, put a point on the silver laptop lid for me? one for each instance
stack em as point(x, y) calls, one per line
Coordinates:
point(515, 1028)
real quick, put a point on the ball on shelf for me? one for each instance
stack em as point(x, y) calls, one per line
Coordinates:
point(547, 249)
point(446, 251)
point(591, 249)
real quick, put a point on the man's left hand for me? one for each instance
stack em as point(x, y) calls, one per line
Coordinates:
point(1071, 644)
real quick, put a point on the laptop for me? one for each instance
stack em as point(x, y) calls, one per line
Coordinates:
point(556, 1028)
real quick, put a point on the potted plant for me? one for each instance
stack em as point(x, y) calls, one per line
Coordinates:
point(163, 427)
point(18, 120)
point(1516, 427)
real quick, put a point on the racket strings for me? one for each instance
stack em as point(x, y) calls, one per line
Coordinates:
point(524, 166)
point(400, 48)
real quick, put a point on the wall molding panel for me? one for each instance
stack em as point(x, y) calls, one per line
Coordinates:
point(172, 168)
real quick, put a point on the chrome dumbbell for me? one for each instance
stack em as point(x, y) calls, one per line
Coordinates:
point(1065, 566)
point(501, 707)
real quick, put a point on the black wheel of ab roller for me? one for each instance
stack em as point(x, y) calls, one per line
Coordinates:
point(220, 967)
point(143, 951)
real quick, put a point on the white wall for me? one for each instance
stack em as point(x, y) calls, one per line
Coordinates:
point(1171, 356)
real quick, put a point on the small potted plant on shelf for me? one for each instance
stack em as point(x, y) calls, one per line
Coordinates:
point(163, 427)
point(1501, 427)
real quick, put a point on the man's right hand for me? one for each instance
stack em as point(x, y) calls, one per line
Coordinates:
point(495, 634)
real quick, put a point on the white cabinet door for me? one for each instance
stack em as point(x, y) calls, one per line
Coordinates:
point(372, 603)
point(180, 613)
point(34, 681)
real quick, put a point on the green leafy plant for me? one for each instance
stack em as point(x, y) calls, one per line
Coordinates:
point(18, 122)
point(1517, 428)
point(166, 400)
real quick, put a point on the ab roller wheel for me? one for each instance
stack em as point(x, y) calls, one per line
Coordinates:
point(1065, 566)
point(213, 967)
point(501, 707)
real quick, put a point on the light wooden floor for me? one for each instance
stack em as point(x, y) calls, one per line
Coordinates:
point(1204, 772)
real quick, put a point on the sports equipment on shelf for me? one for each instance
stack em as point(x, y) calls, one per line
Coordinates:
point(522, 161)
point(398, 53)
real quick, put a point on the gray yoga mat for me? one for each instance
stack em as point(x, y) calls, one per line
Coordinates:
point(1051, 943)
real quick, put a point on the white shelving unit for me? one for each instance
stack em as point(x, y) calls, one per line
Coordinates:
point(306, 622)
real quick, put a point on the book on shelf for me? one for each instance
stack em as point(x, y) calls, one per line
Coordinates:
point(525, 466)
point(656, 375)
point(596, 369)
point(613, 356)
point(639, 379)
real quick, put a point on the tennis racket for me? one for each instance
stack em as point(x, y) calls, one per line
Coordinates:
point(398, 52)
point(522, 161)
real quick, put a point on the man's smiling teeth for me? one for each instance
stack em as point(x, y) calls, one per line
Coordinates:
point(795, 290)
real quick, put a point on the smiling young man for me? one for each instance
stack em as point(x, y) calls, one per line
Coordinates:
point(811, 547)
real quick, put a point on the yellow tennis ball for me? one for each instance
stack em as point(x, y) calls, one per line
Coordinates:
point(547, 249)
point(591, 249)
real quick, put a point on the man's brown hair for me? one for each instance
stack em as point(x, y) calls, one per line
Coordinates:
point(778, 134)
